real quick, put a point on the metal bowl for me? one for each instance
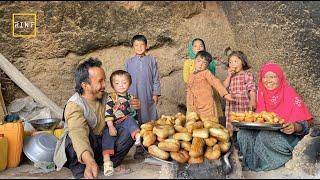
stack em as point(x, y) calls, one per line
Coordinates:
point(40, 147)
point(45, 124)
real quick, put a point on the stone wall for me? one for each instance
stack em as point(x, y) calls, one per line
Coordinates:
point(68, 32)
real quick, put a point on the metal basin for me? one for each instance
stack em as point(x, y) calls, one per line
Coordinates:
point(45, 124)
point(40, 147)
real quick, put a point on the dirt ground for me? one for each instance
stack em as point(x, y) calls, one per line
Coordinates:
point(140, 170)
point(281, 173)
point(150, 168)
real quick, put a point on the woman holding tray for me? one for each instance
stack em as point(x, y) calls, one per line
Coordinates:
point(268, 150)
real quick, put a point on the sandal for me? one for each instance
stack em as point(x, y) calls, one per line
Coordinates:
point(138, 140)
point(108, 168)
point(122, 169)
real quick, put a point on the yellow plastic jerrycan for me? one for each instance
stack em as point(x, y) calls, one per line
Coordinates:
point(3, 152)
point(14, 132)
point(58, 132)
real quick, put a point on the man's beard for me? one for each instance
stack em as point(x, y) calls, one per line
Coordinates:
point(99, 96)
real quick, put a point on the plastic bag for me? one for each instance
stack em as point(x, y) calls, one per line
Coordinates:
point(45, 166)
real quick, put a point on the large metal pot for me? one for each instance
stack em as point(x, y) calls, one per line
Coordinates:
point(40, 147)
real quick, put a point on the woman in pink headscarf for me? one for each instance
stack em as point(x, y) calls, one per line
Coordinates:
point(267, 150)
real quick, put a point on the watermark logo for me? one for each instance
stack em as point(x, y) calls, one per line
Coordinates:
point(24, 25)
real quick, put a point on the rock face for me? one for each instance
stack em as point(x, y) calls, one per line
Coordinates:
point(306, 156)
point(69, 32)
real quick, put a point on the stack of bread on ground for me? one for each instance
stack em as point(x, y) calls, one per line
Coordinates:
point(186, 139)
point(262, 117)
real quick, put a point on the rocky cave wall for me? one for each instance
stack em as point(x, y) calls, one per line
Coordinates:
point(69, 32)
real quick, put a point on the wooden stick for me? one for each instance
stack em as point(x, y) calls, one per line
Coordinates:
point(17, 77)
point(3, 109)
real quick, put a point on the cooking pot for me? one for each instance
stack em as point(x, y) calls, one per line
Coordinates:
point(40, 147)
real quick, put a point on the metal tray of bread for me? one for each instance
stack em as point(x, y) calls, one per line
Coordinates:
point(258, 126)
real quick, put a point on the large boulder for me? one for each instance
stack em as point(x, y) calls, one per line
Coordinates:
point(69, 32)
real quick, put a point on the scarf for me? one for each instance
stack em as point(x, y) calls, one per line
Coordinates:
point(283, 100)
point(192, 56)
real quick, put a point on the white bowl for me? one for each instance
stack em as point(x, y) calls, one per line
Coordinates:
point(40, 147)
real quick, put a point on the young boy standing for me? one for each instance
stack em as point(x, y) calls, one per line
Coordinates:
point(145, 79)
point(145, 83)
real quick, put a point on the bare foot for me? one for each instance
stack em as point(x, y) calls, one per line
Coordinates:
point(122, 169)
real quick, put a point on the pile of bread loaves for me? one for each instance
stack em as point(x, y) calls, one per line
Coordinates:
point(262, 117)
point(186, 139)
